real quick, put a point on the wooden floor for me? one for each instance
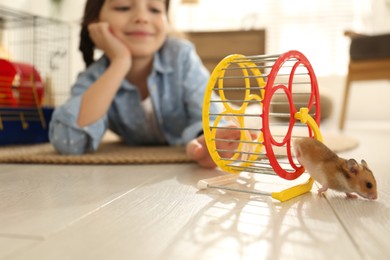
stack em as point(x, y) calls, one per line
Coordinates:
point(156, 212)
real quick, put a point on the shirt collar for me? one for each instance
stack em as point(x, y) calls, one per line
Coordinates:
point(160, 62)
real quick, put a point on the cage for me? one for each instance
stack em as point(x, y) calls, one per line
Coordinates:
point(34, 74)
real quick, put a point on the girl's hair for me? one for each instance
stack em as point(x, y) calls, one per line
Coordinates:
point(91, 14)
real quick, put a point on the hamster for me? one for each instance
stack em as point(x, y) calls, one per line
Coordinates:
point(333, 172)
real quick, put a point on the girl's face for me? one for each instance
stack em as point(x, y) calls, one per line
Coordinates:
point(140, 24)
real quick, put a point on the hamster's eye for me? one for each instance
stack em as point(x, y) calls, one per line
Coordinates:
point(369, 185)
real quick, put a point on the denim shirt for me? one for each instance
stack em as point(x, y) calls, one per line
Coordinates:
point(176, 86)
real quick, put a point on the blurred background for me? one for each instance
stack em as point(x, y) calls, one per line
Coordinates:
point(316, 28)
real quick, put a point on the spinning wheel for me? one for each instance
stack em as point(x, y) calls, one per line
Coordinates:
point(245, 90)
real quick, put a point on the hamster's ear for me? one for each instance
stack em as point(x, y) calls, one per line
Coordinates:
point(364, 163)
point(353, 166)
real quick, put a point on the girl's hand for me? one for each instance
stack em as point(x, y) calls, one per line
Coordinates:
point(98, 98)
point(111, 45)
point(197, 149)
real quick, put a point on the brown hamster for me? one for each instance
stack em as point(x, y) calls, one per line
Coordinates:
point(333, 172)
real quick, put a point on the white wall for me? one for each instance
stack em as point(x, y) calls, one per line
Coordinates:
point(70, 10)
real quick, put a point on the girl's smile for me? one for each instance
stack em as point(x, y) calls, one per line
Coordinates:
point(139, 33)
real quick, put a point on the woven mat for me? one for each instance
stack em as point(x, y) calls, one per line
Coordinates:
point(108, 153)
point(115, 152)
point(340, 143)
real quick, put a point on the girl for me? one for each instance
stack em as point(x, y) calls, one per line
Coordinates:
point(147, 87)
